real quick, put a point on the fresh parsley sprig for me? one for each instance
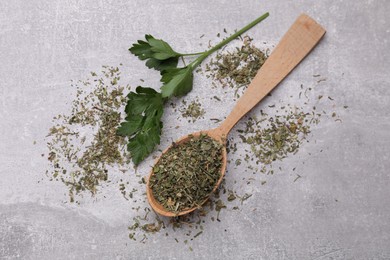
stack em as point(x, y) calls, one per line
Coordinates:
point(145, 106)
point(143, 122)
point(157, 53)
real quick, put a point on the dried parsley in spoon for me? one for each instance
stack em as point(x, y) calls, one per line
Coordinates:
point(186, 174)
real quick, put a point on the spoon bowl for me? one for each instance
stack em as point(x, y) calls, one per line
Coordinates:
point(213, 133)
point(298, 41)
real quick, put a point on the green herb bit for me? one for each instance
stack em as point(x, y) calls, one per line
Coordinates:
point(231, 196)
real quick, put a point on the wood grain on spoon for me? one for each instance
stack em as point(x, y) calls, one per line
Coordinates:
point(298, 41)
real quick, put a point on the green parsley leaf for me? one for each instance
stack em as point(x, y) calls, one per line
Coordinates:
point(162, 65)
point(177, 82)
point(131, 126)
point(158, 53)
point(143, 122)
point(161, 49)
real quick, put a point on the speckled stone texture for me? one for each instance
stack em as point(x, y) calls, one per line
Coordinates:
point(338, 209)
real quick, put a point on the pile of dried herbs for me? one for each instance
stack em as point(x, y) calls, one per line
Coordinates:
point(79, 158)
point(273, 138)
point(193, 111)
point(186, 174)
point(237, 68)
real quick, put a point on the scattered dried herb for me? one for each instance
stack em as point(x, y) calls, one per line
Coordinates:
point(273, 138)
point(236, 69)
point(148, 227)
point(193, 223)
point(78, 156)
point(186, 174)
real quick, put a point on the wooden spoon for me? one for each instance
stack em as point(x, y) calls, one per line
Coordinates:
point(299, 40)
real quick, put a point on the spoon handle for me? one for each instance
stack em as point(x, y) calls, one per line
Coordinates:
point(298, 41)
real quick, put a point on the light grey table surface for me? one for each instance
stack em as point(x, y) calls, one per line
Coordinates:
point(339, 209)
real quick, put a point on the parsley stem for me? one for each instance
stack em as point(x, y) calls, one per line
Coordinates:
point(196, 62)
point(192, 54)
